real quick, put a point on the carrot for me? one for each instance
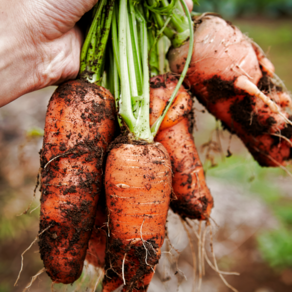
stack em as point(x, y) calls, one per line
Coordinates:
point(138, 187)
point(236, 82)
point(79, 125)
point(95, 254)
point(193, 196)
point(138, 170)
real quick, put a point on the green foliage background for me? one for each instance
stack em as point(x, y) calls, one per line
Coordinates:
point(236, 8)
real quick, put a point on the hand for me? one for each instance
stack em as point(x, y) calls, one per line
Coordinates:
point(40, 44)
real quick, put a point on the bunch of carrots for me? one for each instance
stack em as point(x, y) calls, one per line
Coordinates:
point(118, 149)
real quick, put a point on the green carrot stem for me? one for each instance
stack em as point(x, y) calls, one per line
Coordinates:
point(178, 29)
point(125, 109)
point(144, 130)
point(104, 38)
point(115, 38)
point(135, 47)
point(95, 43)
point(178, 23)
point(153, 54)
point(130, 56)
point(134, 100)
point(87, 41)
point(167, 31)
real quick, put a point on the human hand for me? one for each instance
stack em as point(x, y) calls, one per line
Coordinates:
point(40, 44)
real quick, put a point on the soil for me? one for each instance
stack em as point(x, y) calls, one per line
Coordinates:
point(219, 89)
point(256, 275)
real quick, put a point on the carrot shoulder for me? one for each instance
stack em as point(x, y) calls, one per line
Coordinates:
point(138, 188)
point(79, 125)
point(193, 197)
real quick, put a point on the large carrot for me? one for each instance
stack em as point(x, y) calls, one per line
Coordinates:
point(138, 187)
point(233, 79)
point(193, 198)
point(138, 171)
point(80, 123)
point(79, 126)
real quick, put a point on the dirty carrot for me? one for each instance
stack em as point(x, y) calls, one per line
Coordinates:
point(230, 75)
point(193, 198)
point(95, 254)
point(80, 124)
point(138, 188)
point(138, 170)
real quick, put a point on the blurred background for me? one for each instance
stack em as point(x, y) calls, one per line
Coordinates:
point(252, 218)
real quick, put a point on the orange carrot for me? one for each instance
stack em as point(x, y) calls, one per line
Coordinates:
point(138, 170)
point(95, 254)
point(193, 196)
point(79, 125)
point(138, 188)
point(235, 81)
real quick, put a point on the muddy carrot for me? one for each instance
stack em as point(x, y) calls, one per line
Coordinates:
point(230, 75)
point(80, 124)
point(193, 198)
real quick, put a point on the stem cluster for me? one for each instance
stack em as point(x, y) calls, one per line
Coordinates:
point(133, 54)
point(93, 51)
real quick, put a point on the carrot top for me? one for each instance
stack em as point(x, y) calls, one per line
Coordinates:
point(93, 51)
point(128, 74)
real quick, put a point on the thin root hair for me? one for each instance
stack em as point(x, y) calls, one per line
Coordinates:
point(21, 265)
point(146, 250)
point(215, 261)
point(123, 269)
point(282, 137)
point(184, 223)
point(33, 279)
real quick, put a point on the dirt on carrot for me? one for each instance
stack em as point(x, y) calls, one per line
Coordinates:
point(80, 123)
point(233, 79)
point(138, 188)
point(192, 196)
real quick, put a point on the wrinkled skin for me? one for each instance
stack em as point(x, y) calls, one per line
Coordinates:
point(39, 40)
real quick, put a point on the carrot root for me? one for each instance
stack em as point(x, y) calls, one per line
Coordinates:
point(193, 198)
point(227, 77)
point(138, 188)
point(80, 123)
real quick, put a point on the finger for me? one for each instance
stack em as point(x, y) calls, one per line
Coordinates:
point(63, 58)
point(189, 4)
point(55, 17)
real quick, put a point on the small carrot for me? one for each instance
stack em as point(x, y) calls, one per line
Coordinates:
point(193, 196)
